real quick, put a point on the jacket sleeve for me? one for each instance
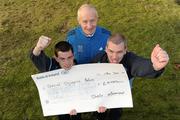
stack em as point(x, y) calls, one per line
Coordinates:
point(141, 67)
point(42, 62)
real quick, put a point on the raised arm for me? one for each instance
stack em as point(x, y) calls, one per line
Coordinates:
point(38, 57)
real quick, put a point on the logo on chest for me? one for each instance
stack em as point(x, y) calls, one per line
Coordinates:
point(101, 48)
point(80, 48)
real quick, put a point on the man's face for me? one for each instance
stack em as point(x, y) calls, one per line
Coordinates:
point(88, 21)
point(115, 52)
point(65, 59)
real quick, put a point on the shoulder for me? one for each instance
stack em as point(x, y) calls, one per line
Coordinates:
point(130, 54)
point(131, 57)
point(104, 30)
point(71, 35)
point(54, 64)
point(128, 57)
point(73, 31)
point(100, 57)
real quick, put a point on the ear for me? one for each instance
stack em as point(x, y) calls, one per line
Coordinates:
point(97, 18)
point(125, 49)
point(56, 58)
point(106, 49)
point(78, 20)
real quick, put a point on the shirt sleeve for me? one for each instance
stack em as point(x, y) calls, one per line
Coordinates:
point(42, 62)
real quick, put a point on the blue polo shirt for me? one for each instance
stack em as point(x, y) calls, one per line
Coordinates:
point(85, 47)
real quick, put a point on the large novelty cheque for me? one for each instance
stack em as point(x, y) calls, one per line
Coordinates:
point(84, 88)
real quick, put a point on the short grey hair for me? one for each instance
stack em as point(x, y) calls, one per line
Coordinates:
point(87, 6)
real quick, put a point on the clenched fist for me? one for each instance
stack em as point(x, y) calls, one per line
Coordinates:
point(159, 58)
point(42, 43)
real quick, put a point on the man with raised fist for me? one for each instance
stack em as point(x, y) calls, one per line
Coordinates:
point(135, 66)
point(64, 58)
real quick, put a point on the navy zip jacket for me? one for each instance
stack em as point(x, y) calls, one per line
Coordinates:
point(135, 66)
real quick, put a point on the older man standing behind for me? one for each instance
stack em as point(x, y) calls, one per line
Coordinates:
point(88, 39)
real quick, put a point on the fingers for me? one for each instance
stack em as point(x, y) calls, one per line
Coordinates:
point(101, 109)
point(43, 42)
point(73, 112)
point(156, 49)
point(159, 54)
point(162, 56)
point(159, 58)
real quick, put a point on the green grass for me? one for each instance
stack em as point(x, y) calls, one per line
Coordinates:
point(144, 23)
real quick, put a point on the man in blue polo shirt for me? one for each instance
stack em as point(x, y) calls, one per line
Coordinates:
point(88, 39)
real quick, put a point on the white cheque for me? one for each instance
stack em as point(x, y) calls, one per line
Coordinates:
point(84, 88)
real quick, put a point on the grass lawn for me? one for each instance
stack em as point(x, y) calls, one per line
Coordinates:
point(144, 22)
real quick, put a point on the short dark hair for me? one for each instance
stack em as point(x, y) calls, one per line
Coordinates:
point(117, 38)
point(62, 46)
